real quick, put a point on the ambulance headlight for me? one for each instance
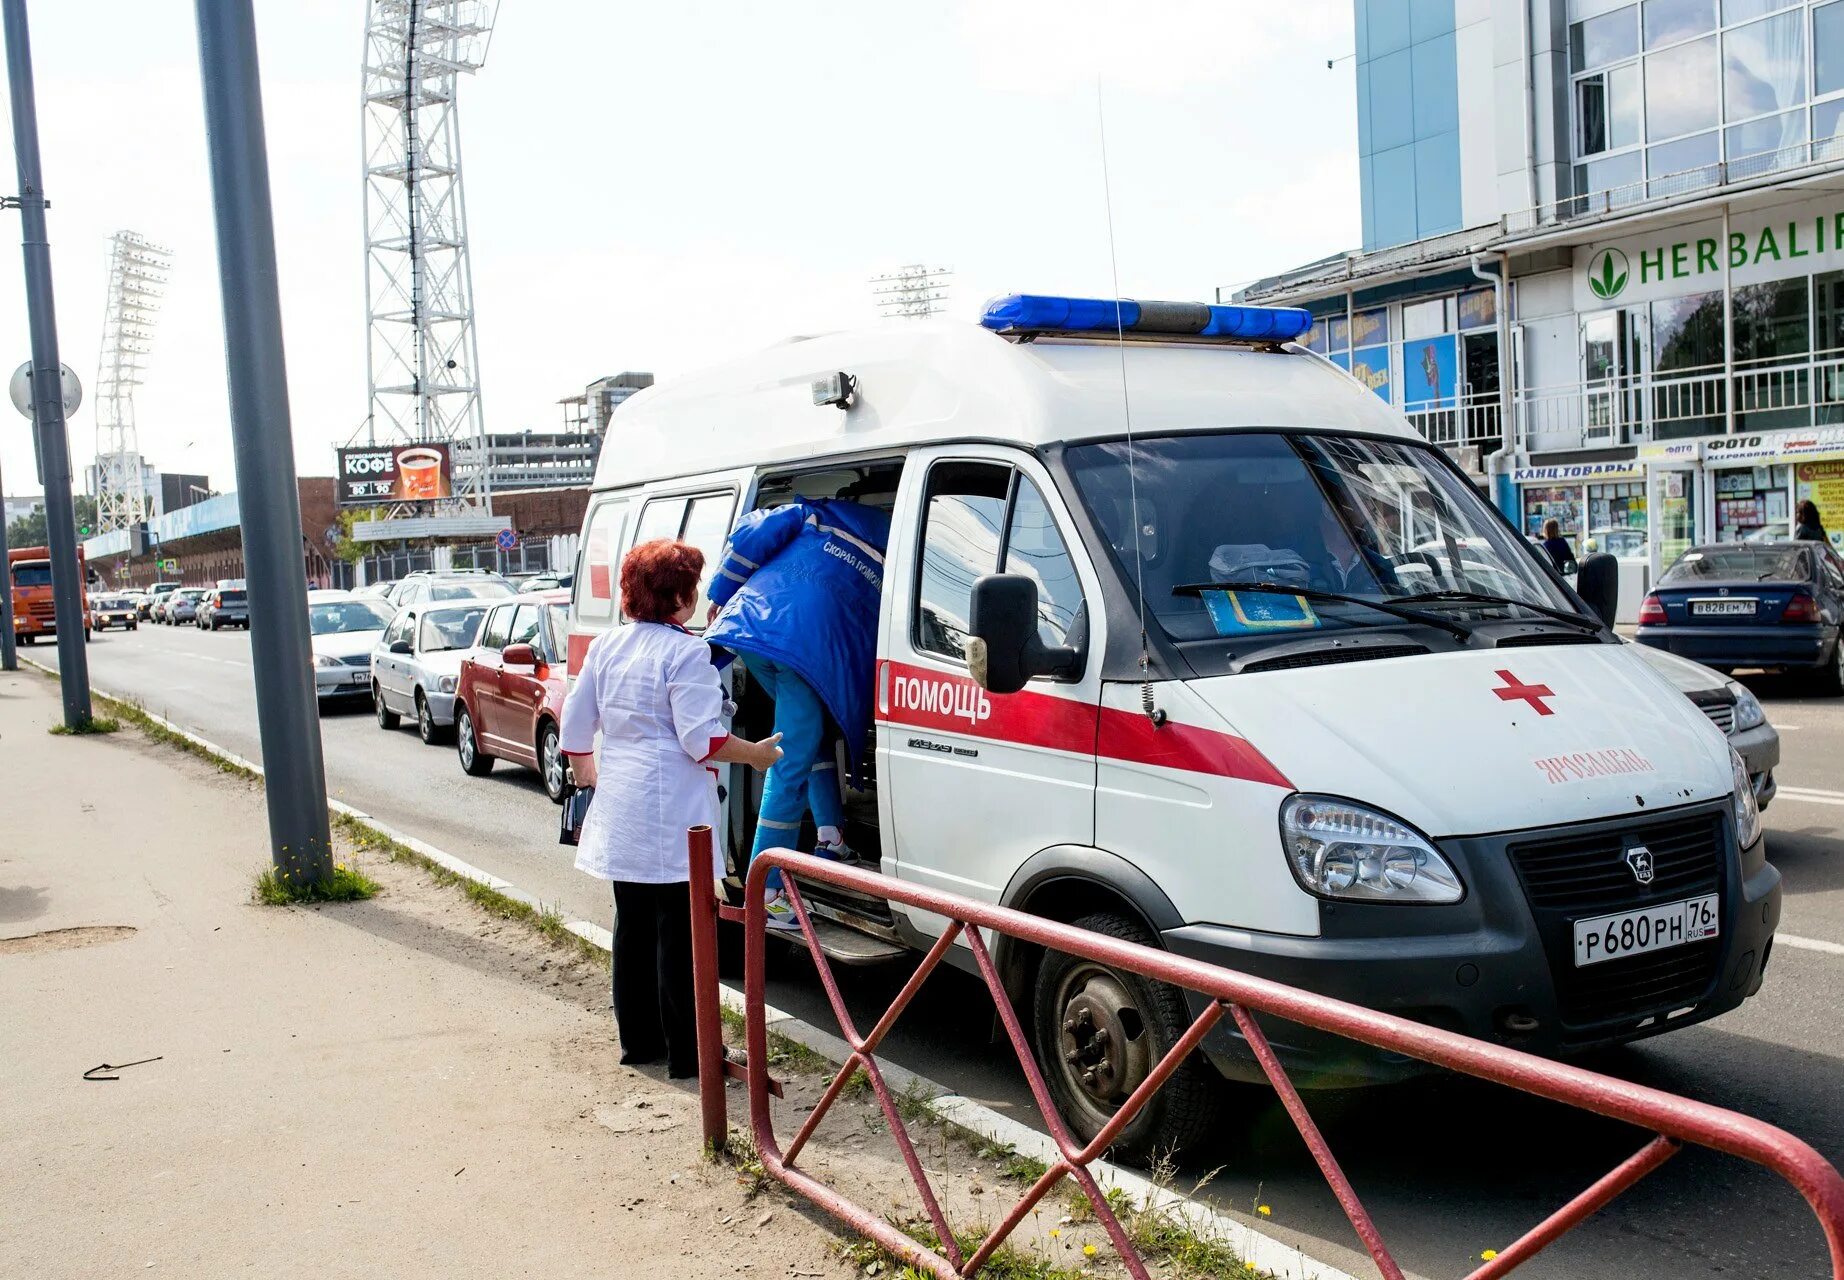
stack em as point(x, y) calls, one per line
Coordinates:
point(1747, 812)
point(1338, 849)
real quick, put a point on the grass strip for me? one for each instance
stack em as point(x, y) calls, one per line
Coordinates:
point(95, 724)
point(346, 884)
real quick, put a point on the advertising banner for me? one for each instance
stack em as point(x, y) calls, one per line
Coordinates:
point(1428, 369)
point(373, 474)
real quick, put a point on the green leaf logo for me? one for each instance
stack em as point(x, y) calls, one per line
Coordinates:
point(1607, 272)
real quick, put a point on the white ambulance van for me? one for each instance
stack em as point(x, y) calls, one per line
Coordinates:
point(1188, 638)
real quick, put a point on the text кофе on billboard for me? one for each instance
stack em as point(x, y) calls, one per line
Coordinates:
point(394, 473)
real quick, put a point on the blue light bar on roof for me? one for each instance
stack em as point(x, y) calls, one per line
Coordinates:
point(1039, 313)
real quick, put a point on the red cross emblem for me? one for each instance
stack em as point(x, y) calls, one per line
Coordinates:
point(1532, 693)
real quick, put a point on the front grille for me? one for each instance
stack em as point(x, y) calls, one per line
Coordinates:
point(1568, 878)
point(1722, 715)
point(357, 659)
point(1327, 657)
point(1588, 874)
point(1653, 981)
point(43, 610)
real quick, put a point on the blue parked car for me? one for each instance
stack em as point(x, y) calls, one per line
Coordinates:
point(1778, 605)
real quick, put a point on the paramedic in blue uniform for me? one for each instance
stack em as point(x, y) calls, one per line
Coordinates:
point(797, 594)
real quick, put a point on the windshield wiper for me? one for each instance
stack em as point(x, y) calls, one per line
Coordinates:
point(1474, 597)
point(1448, 625)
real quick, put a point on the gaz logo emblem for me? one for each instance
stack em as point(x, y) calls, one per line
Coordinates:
point(1639, 861)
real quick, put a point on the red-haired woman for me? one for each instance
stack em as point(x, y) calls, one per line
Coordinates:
point(651, 692)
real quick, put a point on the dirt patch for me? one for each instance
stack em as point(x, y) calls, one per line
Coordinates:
point(83, 935)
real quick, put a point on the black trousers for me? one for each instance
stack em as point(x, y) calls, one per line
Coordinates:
point(653, 976)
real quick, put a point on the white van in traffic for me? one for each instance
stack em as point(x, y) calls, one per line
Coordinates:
point(1189, 638)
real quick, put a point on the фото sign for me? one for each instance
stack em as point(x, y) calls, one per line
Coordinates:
point(375, 474)
point(1763, 244)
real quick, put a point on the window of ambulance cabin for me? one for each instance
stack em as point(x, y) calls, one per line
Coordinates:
point(707, 527)
point(524, 626)
point(704, 522)
point(1033, 546)
point(499, 625)
point(963, 516)
point(599, 585)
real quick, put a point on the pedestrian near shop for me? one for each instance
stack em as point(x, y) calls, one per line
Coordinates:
point(1561, 554)
point(1807, 527)
point(650, 691)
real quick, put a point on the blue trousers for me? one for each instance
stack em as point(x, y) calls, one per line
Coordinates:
point(805, 776)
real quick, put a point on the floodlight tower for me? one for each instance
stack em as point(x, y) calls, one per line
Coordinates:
point(914, 292)
point(137, 278)
point(422, 362)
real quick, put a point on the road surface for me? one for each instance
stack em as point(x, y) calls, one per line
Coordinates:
point(1447, 1168)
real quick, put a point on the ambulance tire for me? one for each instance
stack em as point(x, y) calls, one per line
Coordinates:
point(1119, 1016)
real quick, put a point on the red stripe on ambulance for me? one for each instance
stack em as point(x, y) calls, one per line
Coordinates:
point(927, 699)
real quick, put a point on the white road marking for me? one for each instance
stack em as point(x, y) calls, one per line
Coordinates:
point(1810, 944)
point(1809, 795)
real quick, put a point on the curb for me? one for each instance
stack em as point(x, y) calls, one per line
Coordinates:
point(1268, 1254)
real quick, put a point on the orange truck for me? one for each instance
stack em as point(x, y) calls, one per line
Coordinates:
point(33, 612)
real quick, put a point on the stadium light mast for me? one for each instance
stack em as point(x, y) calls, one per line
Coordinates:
point(422, 362)
point(914, 292)
point(137, 279)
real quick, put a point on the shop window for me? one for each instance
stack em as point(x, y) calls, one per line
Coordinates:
point(1424, 319)
point(1617, 519)
point(1827, 51)
point(1561, 503)
point(1764, 66)
point(1368, 327)
point(1674, 513)
point(1479, 309)
point(1669, 21)
point(1749, 499)
point(1681, 89)
point(1687, 332)
point(1370, 366)
point(1770, 320)
point(1828, 308)
point(1605, 39)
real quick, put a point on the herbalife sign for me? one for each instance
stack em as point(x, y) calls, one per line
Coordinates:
point(1764, 244)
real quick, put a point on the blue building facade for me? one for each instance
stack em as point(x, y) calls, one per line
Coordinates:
point(1408, 120)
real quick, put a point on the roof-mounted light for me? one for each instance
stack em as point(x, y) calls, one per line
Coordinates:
point(1039, 313)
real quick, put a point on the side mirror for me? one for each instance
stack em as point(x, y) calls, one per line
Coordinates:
point(519, 655)
point(1597, 582)
point(400, 646)
point(1004, 651)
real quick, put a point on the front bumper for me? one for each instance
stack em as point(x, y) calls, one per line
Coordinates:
point(342, 682)
point(1724, 646)
point(1493, 966)
point(441, 706)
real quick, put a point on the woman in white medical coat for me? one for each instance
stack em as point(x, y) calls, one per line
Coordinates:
point(651, 692)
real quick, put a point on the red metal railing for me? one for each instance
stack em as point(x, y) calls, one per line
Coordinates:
point(1674, 1121)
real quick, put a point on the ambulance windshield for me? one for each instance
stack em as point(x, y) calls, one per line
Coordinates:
point(1333, 515)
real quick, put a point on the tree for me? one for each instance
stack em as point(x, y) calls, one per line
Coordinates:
point(30, 530)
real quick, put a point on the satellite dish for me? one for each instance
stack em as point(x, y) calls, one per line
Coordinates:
point(21, 389)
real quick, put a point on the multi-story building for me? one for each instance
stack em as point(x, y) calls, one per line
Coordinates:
point(1603, 257)
point(591, 410)
point(541, 459)
point(165, 490)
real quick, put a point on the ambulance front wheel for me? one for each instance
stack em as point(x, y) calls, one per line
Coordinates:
point(1099, 1032)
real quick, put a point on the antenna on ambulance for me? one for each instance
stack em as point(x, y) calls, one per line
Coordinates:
point(1126, 403)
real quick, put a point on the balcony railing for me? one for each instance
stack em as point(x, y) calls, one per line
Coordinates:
point(1666, 188)
point(1469, 419)
point(1781, 393)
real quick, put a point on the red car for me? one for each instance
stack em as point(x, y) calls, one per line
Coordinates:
point(509, 700)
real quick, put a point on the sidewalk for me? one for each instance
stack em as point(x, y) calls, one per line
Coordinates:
point(397, 1087)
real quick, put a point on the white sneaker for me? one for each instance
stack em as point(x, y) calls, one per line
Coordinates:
point(781, 912)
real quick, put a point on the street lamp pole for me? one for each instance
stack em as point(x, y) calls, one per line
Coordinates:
point(269, 500)
point(47, 378)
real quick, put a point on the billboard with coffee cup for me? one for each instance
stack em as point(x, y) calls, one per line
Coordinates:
point(374, 474)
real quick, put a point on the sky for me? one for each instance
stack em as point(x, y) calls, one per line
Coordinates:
point(658, 187)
